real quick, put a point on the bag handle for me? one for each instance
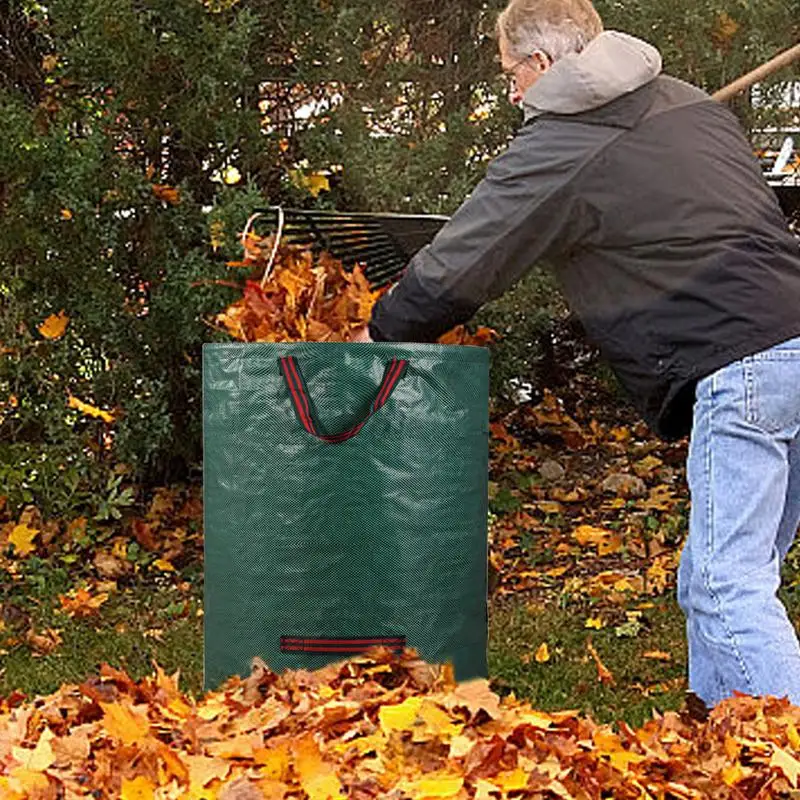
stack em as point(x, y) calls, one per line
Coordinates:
point(302, 401)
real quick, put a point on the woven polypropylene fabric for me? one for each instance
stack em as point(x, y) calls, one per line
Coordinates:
point(382, 535)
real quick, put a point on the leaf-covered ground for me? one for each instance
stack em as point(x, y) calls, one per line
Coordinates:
point(588, 516)
point(378, 726)
point(586, 651)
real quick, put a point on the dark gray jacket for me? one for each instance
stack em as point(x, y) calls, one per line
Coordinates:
point(645, 196)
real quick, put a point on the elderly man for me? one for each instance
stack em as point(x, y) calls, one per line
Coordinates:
point(643, 194)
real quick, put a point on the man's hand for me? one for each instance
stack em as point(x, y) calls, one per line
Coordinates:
point(362, 335)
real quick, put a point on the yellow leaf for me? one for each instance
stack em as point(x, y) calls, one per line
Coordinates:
point(203, 770)
point(66, 213)
point(81, 603)
point(732, 774)
point(733, 747)
point(589, 534)
point(513, 781)
point(609, 744)
point(536, 718)
point(41, 757)
point(138, 789)
point(89, 410)
point(317, 777)
point(647, 466)
point(543, 653)
point(274, 761)
point(794, 737)
point(786, 763)
point(124, 722)
point(22, 538)
point(622, 759)
point(460, 746)
point(163, 565)
point(54, 326)
point(30, 782)
point(595, 622)
point(7, 793)
point(438, 722)
point(313, 182)
point(484, 790)
point(211, 708)
point(439, 786)
point(400, 717)
point(620, 434)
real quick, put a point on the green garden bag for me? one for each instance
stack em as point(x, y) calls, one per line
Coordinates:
point(345, 496)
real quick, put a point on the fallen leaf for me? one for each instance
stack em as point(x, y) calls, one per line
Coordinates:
point(137, 789)
point(126, 723)
point(657, 655)
point(81, 603)
point(46, 642)
point(603, 673)
point(21, 539)
point(786, 763)
point(41, 757)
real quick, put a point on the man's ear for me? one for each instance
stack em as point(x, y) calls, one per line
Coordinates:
point(541, 61)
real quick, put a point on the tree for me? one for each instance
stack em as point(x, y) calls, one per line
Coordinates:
point(136, 137)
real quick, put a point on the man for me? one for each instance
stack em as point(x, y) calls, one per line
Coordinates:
point(644, 195)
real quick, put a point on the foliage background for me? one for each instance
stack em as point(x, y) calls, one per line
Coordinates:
point(393, 106)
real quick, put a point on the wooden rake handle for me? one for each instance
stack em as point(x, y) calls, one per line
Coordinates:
point(758, 74)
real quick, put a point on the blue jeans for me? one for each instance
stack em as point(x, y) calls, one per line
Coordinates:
point(744, 478)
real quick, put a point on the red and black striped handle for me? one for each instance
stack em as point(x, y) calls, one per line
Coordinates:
point(302, 401)
point(355, 645)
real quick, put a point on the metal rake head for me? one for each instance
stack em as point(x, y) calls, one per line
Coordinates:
point(384, 243)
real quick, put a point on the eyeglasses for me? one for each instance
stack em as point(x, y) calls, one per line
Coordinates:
point(511, 72)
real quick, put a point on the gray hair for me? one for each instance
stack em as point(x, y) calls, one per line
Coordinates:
point(555, 27)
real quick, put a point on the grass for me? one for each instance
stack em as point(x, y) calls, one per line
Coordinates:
point(569, 679)
point(144, 622)
point(160, 620)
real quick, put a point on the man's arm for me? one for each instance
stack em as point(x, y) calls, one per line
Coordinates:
point(524, 209)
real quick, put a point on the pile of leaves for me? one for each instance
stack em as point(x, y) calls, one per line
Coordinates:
point(377, 726)
point(293, 294)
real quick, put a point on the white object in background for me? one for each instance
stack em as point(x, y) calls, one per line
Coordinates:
point(783, 157)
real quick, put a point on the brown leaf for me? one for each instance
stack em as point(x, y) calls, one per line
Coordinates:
point(44, 643)
point(144, 534)
point(110, 567)
point(241, 789)
point(168, 194)
point(603, 673)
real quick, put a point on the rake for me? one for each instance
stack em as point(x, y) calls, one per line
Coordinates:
point(384, 243)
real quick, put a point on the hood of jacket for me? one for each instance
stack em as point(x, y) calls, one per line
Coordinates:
point(611, 65)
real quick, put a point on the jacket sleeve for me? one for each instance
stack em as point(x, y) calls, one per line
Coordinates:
point(523, 210)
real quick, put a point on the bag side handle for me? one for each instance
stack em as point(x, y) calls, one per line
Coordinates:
point(301, 398)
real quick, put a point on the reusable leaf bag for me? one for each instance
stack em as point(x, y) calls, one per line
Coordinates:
point(345, 493)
